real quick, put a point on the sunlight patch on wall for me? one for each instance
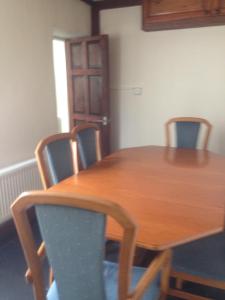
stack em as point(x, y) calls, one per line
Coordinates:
point(59, 57)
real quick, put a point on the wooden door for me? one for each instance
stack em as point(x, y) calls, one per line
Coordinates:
point(88, 84)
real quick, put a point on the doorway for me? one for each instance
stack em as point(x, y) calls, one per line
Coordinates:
point(59, 61)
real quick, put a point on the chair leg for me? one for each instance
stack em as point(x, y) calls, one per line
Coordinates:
point(51, 276)
point(165, 277)
point(179, 283)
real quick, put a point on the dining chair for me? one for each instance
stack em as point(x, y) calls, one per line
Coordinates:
point(55, 163)
point(187, 131)
point(86, 145)
point(54, 158)
point(201, 262)
point(73, 228)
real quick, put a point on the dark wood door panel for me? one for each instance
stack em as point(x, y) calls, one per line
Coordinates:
point(96, 95)
point(94, 55)
point(76, 55)
point(79, 94)
point(162, 7)
point(88, 83)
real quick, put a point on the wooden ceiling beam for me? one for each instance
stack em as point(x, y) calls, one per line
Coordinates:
point(97, 6)
point(95, 20)
point(89, 2)
point(109, 4)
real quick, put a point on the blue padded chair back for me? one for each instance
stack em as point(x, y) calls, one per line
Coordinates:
point(86, 143)
point(74, 240)
point(187, 134)
point(58, 158)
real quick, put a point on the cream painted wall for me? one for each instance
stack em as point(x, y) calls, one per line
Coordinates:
point(27, 97)
point(182, 73)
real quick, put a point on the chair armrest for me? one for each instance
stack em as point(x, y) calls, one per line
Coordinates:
point(41, 254)
point(161, 262)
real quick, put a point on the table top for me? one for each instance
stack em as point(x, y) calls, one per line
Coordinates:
point(175, 195)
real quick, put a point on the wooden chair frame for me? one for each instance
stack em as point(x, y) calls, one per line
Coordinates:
point(188, 119)
point(44, 174)
point(43, 170)
point(180, 277)
point(74, 132)
point(26, 200)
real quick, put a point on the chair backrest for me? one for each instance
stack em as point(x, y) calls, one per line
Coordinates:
point(73, 229)
point(87, 145)
point(54, 158)
point(187, 132)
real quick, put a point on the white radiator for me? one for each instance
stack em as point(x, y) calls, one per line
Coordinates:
point(14, 180)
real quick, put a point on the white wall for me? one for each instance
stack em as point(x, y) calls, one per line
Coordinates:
point(27, 97)
point(182, 73)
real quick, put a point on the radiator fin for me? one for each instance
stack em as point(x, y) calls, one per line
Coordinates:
point(15, 180)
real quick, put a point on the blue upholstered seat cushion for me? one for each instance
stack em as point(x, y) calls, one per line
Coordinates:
point(204, 257)
point(111, 280)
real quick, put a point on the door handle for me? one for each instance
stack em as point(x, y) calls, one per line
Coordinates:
point(104, 121)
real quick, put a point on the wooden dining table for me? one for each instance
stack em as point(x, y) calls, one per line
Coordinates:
point(175, 195)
